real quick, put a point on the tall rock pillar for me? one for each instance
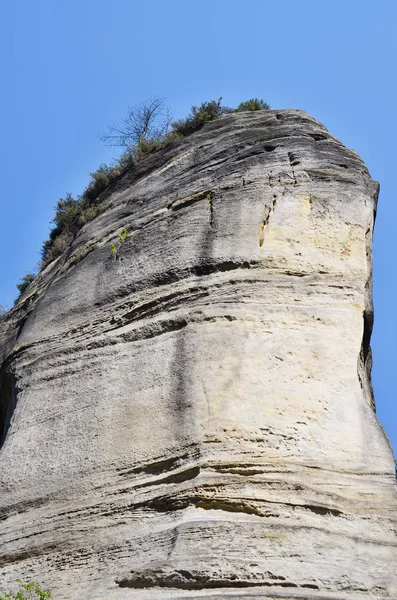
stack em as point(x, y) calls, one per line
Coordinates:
point(195, 418)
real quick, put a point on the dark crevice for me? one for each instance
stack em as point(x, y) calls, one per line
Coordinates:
point(209, 269)
point(200, 270)
point(367, 331)
point(269, 210)
point(19, 557)
point(169, 277)
point(296, 274)
point(170, 503)
point(148, 309)
point(8, 401)
point(328, 176)
point(251, 153)
point(365, 358)
point(174, 502)
point(158, 467)
point(210, 198)
point(179, 203)
point(293, 159)
point(185, 580)
point(179, 477)
point(21, 325)
point(318, 137)
point(320, 510)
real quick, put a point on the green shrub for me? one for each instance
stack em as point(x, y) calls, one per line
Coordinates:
point(56, 247)
point(171, 139)
point(125, 161)
point(67, 212)
point(89, 213)
point(100, 179)
point(253, 104)
point(25, 281)
point(45, 249)
point(145, 147)
point(27, 591)
point(199, 115)
point(3, 310)
point(71, 213)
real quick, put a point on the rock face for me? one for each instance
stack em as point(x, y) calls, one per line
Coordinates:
point(194, 418)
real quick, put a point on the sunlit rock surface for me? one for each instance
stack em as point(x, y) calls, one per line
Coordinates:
point(194, 418)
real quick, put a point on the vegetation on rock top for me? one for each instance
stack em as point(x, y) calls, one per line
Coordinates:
point(146, 129)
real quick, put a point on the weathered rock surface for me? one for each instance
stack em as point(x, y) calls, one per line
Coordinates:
point(195, 419)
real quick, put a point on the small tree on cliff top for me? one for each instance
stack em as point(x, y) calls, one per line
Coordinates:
point(149, 120)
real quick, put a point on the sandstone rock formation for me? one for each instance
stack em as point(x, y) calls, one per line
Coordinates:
point(194, 418)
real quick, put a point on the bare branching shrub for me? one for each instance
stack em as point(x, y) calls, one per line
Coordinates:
point(149, 120)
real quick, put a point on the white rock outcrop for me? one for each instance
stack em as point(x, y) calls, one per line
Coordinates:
point(195, 418)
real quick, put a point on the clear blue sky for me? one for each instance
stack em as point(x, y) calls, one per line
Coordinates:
point(71, 67)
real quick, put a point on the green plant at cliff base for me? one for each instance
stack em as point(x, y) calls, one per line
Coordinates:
point(27, 591)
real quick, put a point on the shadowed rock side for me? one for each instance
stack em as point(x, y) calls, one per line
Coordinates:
point(194, 419)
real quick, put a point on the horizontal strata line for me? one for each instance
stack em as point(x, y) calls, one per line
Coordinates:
point(169, 503)
point(194, 469)
point(164, 465)
point(158, 580)
point(137, 333)
point(185, 297)
point(167, 281)
point(257, 593)
point(116, 510)
point(147, 311)
point(184, 579)
point(156, 308)
point(162, 326)
point(214, 267)
point(164, 473)
point(69, 547)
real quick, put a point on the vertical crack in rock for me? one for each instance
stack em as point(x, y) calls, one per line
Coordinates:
point(8, 401)
point(365, 358)
point(269, 210)
point(210, 198)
